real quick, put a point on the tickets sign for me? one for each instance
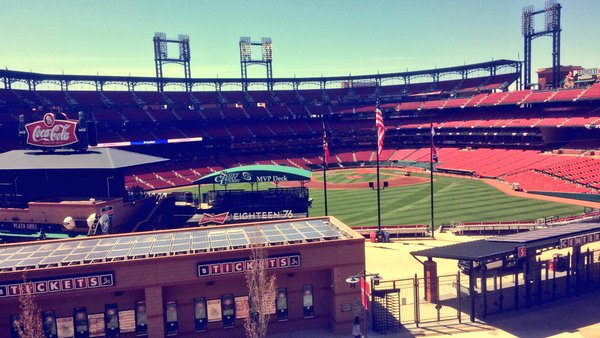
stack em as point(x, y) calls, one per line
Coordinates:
point(55, 285)
point(579, 240)
point(240, 266)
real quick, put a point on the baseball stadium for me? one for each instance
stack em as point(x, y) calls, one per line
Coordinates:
point(501, 164)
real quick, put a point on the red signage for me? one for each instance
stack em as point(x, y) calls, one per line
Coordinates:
point(50, 132)
point(365, 293)
point(522, 251)
point(211, 218)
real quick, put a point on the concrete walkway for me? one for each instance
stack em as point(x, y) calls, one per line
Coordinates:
point(569, 317)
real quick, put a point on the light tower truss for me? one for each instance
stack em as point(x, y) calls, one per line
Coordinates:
point(161, 57)
point(552, 28)
point(246, 59)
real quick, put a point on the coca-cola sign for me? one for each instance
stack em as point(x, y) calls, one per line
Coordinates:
point(51, 132)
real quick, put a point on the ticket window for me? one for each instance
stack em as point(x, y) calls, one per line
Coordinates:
point(80, 317)
point(172, 327)
point(49, 324)
point(200, 315)
point(16, 326)
point(228, 310)
point(141, 320)
point(111, 320)
point(308, 301)
point(281, 304)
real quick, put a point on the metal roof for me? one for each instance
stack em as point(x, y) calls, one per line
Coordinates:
point(96, 158)
point(501, 246)
point(548, 234)
point(468, 69)
point(255, 173)
point(473, 251)
point(100, 249)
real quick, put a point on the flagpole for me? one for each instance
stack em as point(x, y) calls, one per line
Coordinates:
point(325, 183)
point(380, 135)
point(325, 163)
point(431, 173)
point(378, 200)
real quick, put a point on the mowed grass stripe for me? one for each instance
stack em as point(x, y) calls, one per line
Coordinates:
point(455, 200)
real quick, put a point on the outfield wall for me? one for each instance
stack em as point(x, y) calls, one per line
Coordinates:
point(581, 197)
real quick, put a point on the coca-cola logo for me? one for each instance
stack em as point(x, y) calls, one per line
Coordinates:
point(51, 132)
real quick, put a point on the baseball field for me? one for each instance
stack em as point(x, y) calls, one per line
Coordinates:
point(407, 200)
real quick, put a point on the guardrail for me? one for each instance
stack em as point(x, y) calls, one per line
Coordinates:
point(395, 230)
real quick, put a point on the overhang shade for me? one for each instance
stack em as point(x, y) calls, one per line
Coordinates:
point(254, 174)
point(64, 159)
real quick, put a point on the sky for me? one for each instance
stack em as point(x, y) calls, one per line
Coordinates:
point(310, 37)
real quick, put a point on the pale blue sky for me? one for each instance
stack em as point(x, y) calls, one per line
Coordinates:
point(310, 38)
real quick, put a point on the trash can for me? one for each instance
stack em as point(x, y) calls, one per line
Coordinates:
point(373, 236)
point(386, 236)
point(380, 238)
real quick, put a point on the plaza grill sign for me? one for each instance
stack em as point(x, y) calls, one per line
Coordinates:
point(51, 133)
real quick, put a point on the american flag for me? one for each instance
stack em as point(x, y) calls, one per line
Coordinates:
point(380, 128)
point(325, 148)
point(433, 148)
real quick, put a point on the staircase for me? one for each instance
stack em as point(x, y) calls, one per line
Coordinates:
point(93, 230)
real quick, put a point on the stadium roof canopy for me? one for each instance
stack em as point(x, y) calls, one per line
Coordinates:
point(502, 246)
point(97, 158)
point(256, 173)
point(459, 72)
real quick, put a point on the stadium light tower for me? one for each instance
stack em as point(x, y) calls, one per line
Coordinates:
point(246, 59)
point(552, 28)
point(161, 57)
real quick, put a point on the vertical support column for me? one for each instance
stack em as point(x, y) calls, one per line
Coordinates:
point(576, 263)
point(528, 277)
point(484, 288)
point(155, 312)
point(517, 263)
point(556, 48)
point(472, 290)
point(431, 286)
point(527, 61)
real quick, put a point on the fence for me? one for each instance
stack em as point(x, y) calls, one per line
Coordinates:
point(403, 302)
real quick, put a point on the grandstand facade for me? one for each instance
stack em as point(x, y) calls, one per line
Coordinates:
point(543, 140)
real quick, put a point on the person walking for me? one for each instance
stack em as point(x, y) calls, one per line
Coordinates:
point(356, 328)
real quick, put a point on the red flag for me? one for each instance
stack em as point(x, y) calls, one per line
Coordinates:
point(380, 128)
point(433, 148)
point(325, 148)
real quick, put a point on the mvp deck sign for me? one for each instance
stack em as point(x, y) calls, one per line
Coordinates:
point(65, 284)
point(240, 266)
point(51, 133)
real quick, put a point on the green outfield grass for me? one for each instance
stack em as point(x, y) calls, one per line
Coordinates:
point(456, 199)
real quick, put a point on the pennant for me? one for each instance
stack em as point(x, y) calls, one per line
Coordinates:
point(380, 128)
